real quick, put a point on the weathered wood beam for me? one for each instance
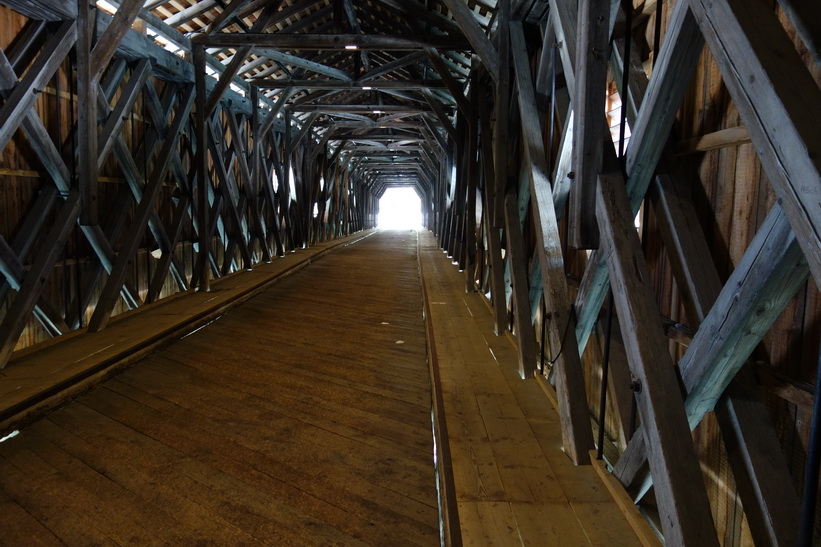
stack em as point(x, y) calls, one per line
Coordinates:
point(576, 431)
point(806, 18)
point(517, 258)
point(112, 129)
point(381, 137)
point(392, 66)
point(165, 64)
point(225, 16)
point(762, 477)
point(230, 197)
point(271, 117)
point(589, 96)
point(86, 115)
point(493, 234)
point(164, 263)
point(304, 41)
point(159, 115)
point(226, 78)
point(442, 118)
point(237, 61)
point(369, 124)
point(108, 297)
point(22, 98)
point(350, 13)
point(107, 44)
point(564, 15)
point(14, 271)
point(415, 11)
point(187, 14)
point(743, 313)
point(765, 280)
point(680, 493)
point(300, 62)
point(779, 103)
point(759, 468)
point(33, 284)
point(502, 127)
point(274, 83)
point(304, 130)
point(723, 138)
point(456, 89)
point(672, 72)
point(476, 35)
point(678, 58)
point(52, 161)
point(28, 231)
point(562, 23)
point(46, 10)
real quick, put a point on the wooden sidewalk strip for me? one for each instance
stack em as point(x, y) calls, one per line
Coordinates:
point(514, 485)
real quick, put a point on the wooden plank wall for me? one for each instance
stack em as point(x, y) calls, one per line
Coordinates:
point(289, 223)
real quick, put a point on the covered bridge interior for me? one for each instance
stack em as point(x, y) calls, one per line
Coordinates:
point(646, 239)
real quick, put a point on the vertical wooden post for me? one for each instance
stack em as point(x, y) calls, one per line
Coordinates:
point(86, 116)
point(458, 226)
point(346, 189)
point(588, 128)
point(500, 129)
point(198, 52)
point(471, 181)
point(497, 269)
point(518, 276)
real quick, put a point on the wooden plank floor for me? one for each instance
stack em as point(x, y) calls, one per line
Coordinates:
point(301, 417)
point(44, 376)
point(513, 484)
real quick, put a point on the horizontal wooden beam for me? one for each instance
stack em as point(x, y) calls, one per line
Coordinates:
point(333, 41)
point(371, 125)
point(275, 83)
point(356, 108)
point(723, 138)
point(377, 137)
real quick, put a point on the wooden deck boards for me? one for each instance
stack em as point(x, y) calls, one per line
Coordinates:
point(43, 377)
point(301, 417)
point(513, 483)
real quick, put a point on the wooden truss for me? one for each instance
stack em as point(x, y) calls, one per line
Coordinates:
point(284, 122)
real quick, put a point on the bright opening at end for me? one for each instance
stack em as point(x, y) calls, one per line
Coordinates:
point(400, 209)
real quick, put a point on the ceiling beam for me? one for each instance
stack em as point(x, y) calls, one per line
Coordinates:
point(276, 83)
point(304, 41)
point(356, 108)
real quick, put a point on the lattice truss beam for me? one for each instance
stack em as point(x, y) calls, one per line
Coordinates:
point(132, 101)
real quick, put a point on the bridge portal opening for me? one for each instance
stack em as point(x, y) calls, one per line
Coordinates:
point(400, 209)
